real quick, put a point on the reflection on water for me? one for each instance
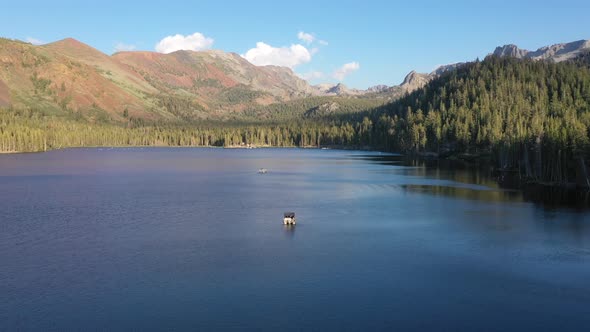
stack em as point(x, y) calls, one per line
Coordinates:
point(289, 231)
point(554, 198)
point(467, 193)
point(494, 187)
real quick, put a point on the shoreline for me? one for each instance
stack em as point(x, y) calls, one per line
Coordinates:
point(230, 147)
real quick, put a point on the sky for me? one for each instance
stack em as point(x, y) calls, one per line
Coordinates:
point(358, 43)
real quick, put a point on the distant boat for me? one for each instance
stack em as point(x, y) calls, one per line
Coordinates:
point(262, 171)
point(289, 218)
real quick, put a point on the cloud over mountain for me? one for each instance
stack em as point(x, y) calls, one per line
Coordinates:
point(292, 56)
point(195, 42)
point(346, 70)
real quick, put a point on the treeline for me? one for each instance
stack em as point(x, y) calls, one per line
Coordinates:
point(28, 131)
point(531, 116)
point(280, 125)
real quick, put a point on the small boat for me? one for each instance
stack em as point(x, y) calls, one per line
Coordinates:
point(289, 218)
point(262, 171)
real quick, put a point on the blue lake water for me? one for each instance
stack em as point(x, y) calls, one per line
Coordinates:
point(192, 239)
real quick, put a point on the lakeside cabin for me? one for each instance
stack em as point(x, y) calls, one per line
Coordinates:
point(289, 218)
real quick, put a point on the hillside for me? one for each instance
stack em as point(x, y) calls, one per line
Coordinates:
point(532, 116)
point(215, 77)
point(70, 77)
point(48, 79)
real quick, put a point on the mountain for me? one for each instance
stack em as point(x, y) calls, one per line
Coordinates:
point(445, 68)
point(510, 50)
point(210, 73)
point(555, 53)
point(69, 76)
point(72, 78)
point(411, 82)
point(414, 81)
point(378, 88)
point(51, 80)
point(337, 90)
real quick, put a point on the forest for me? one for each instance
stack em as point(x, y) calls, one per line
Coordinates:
point(528, 117)
point(30, 131)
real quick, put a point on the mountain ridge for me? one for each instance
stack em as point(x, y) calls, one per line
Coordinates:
point(71, 76)
point(556, 52)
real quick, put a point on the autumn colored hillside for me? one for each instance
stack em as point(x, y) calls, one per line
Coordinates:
point(70, 77)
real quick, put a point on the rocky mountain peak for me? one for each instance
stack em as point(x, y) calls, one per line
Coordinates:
point(556, 52)
point(338, 89)
point(510, 50)
point(410, 78)
point(414, 81)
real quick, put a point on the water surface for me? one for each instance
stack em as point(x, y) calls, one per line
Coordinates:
point(191, 239)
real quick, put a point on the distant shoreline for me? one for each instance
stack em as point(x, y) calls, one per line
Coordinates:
point(232, 147)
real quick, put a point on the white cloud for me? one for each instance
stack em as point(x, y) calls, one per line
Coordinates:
point(306, 37)
point(309, 38)
point(195, 42)
point(346, 70)
point(122, 47)
point(312, 75)
point(34, 41)
point(264, 54)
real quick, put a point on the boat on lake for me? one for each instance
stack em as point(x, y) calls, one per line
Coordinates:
point(289, 218)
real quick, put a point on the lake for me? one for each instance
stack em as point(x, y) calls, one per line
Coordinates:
point(192, 239)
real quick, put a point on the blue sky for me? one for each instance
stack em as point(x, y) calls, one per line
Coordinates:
point(380, 41)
